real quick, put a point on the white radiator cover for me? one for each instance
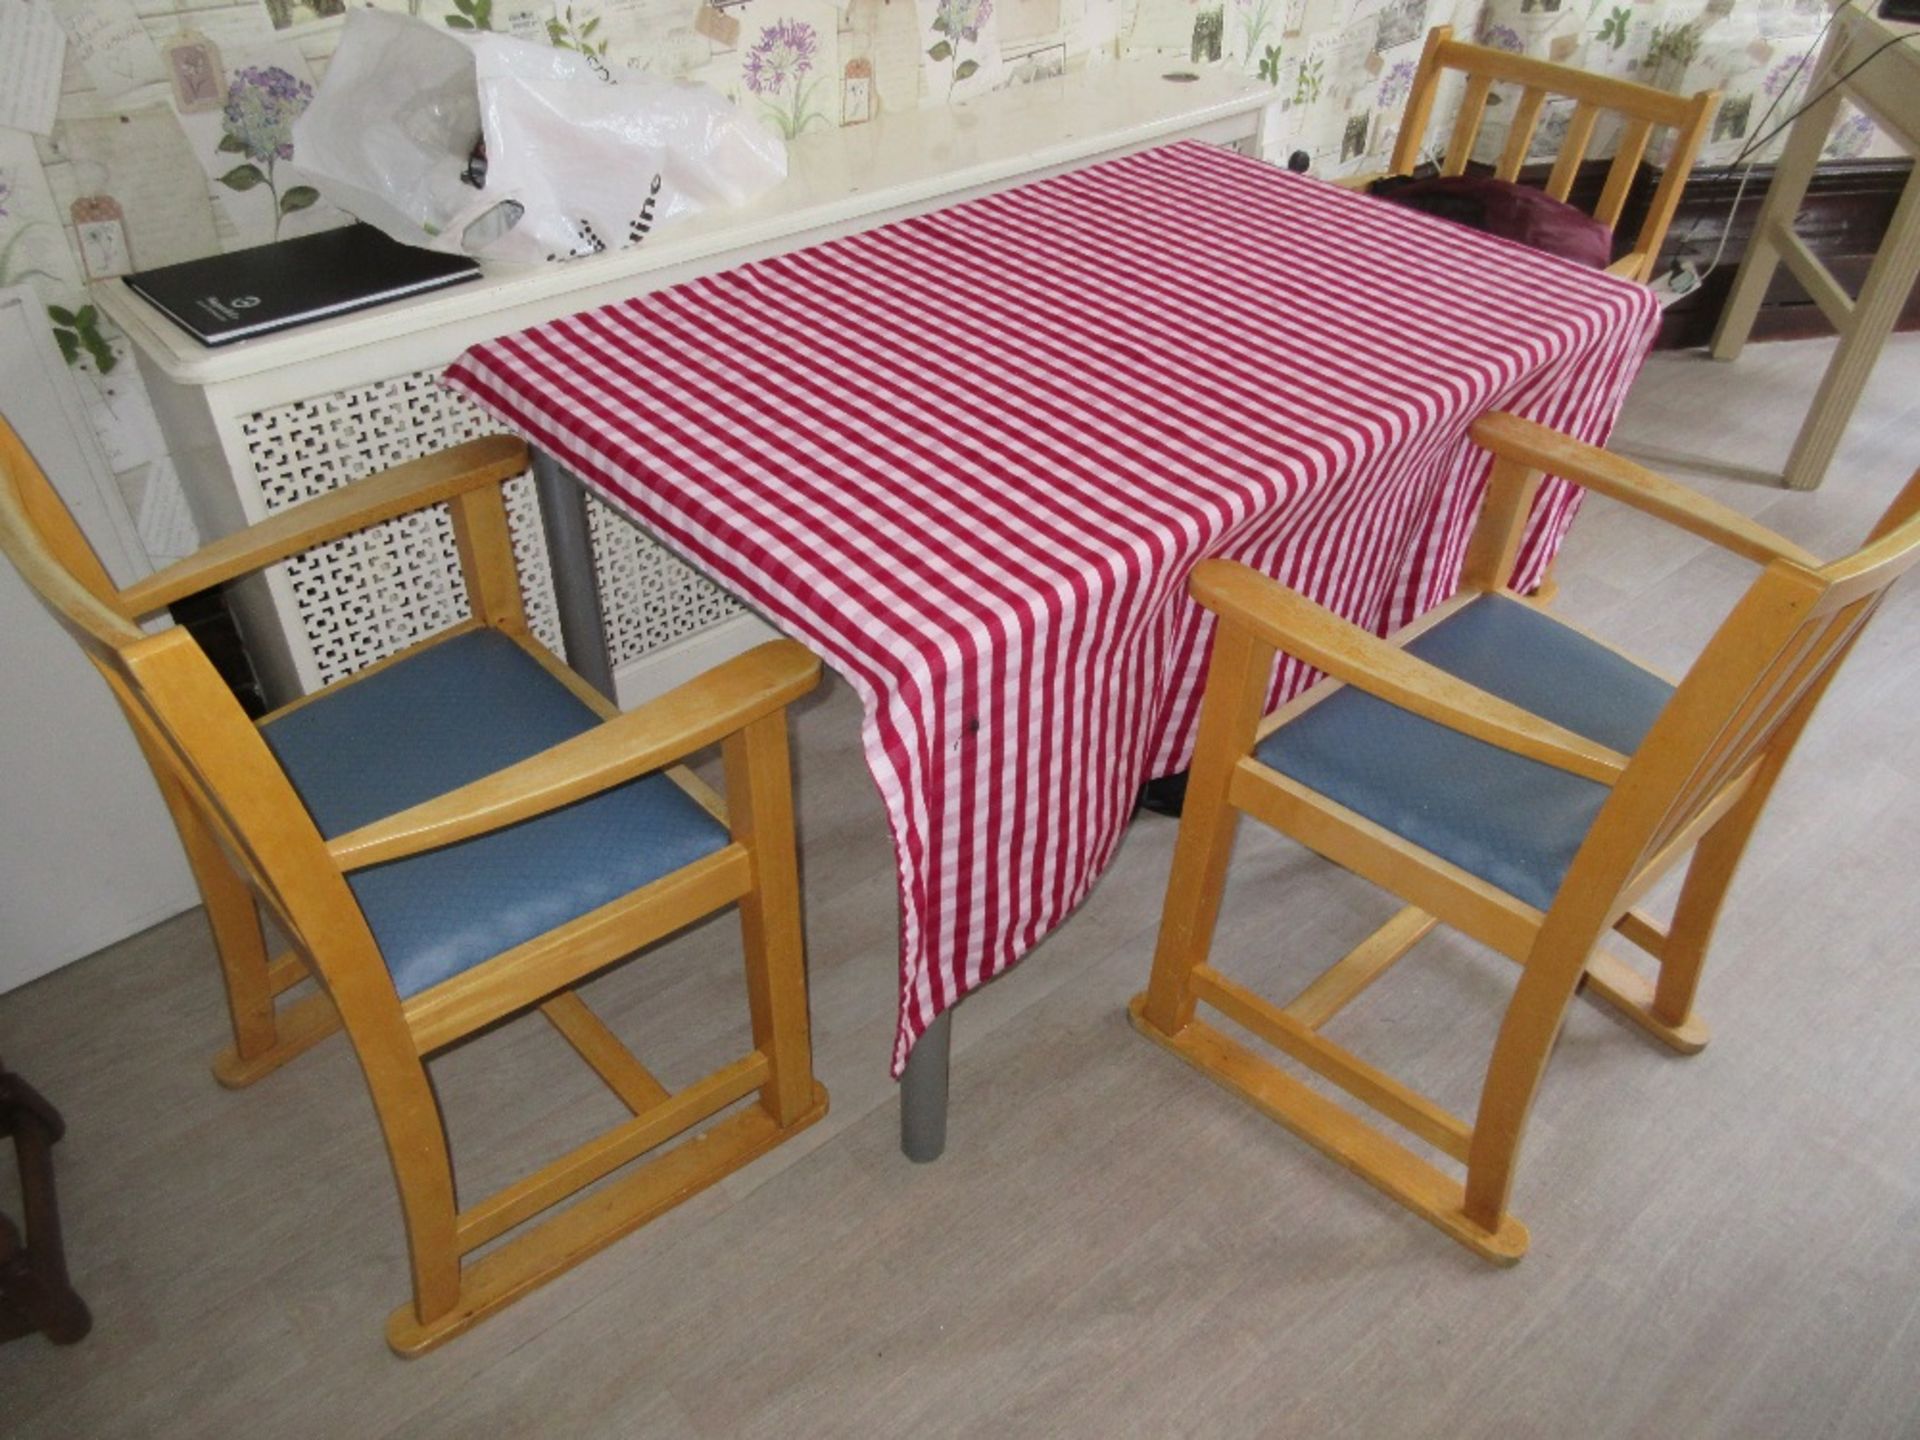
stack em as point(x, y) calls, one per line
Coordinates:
point(360, 599)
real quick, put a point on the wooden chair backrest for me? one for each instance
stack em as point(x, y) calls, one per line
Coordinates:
point(195, 734)
point(1641, 108)
point(1737, 714)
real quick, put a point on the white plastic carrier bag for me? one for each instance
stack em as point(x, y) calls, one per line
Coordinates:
point(491, 146)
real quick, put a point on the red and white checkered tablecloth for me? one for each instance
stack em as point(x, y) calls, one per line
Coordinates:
point(969, 458)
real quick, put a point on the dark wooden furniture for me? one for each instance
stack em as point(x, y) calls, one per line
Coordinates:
point(34, 1291)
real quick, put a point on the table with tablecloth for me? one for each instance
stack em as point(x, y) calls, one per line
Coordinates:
point(969, 458)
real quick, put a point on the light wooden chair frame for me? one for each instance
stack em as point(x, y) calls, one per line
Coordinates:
point(1641, 109)
point(248, 834)
point(1697, 785)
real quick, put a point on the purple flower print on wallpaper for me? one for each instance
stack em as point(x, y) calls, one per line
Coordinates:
point(262, 105)
point(960, 22)
point(1851, 136)
point(1395, 84)
point(776, 70)
point(1500, 37)
point(1785, 75)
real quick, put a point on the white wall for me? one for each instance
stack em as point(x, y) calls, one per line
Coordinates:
point(88, 854)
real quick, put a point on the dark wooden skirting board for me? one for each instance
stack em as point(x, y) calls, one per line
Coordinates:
point(1846, 212)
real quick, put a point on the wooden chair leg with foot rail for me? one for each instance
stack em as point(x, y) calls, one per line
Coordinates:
point(1506, 774)
point(460, 835)
point(267, 1032)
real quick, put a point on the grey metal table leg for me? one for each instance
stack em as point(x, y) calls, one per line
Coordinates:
point(923, 1093)
point(576, 589)
point(563, 518)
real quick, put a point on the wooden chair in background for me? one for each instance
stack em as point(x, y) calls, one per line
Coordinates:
point(35, 1293)
point(1640, 108)
point(460, 834)
point(1505, 774)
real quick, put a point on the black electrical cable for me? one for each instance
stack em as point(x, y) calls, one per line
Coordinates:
point(1750, 148)
point(1761, 140)
point(1838, 81)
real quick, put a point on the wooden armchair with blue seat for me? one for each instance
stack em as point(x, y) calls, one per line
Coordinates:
point(460, 834)
point(1503, 773)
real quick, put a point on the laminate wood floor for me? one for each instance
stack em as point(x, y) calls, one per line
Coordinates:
point(1727, 1245)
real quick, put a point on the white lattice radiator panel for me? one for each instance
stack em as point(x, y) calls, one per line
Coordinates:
point(360, 599)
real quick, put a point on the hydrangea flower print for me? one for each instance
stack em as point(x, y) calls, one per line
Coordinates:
point(964, 18)
point(262, 104)
point(959, 22)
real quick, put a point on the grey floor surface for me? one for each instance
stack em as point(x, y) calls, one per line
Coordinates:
point(1727, 1245)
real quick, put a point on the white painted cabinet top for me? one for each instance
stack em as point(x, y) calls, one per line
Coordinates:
point(837, 182)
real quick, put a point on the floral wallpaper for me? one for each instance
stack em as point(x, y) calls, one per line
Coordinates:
point(257, 123)
point(171, 137)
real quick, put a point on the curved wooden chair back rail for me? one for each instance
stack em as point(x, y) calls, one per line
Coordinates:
point(1624, 779)
point(271, 810)
point(1641, 110)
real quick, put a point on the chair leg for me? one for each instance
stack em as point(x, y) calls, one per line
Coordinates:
point(416, 1139)
point(450, 1298)
point(264, 1038)
point(760, 812)
point(296, 1030)
point(1230, 711)
point(1701, 896)
point(1200, 856)
point(1631, 994)
point(584, 1228)
point(1519, 1061)
point(1665, 1008)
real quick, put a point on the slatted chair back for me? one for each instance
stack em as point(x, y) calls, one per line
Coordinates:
point(1641, 110)
point(1734, 719)
point(186, 719)
point(1697, 782)
point(40, 537)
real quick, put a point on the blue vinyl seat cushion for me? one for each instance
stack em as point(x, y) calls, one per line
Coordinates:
point(1514, 822)
point(454, 713)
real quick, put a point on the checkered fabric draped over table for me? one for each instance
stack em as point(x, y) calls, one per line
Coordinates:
point(970, 457)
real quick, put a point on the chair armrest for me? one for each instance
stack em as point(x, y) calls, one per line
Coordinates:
point(1289, 621)
point(695, 715)
point(380, 496)
point(1591, 468)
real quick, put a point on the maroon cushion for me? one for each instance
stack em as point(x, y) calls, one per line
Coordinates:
point(1513, 212)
